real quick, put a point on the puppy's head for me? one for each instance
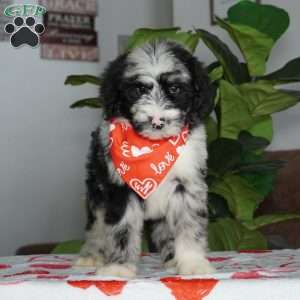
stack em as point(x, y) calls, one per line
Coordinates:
point(159, 88)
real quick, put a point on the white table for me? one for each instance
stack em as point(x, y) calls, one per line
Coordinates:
point(246, 275)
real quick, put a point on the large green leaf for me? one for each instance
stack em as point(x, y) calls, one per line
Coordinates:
point(188, 39)
point(216, 71)
point(234, 113)
point(82, 79)
point(262, 182)
point(275, 102)
point(263, 99)
point(217, 207)
point(228, 234)
point(255, 28)
point(261, 166)
point(211, 129)
point(264, 220)
point(254, 45)
point(233, 70)
point(256, 162)
point(212, 66)
point(241, 197)
point(258, 172)
point(249, 106)
point(143, 35)
point(216, 74)
point(253, 240)
point(224, 155)
point(268, 19)
point(88, 102)
point(288, 73)
point(263, 127)
point(293, 93)
point(252, 143)
point(236, 108)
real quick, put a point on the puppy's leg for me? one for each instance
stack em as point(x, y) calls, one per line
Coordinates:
point(123, 241)
point(164, 242)
point(187, 217)
point(92, 252)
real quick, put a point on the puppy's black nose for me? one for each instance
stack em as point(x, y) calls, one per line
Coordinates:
point(158, 123)
point(160, 126)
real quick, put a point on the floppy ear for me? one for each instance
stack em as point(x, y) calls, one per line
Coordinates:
point(204, 91)
point(110, 86)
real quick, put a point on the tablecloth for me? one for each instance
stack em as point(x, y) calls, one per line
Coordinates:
point(246, 275)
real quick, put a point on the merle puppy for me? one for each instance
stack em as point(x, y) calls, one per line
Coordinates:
point(159, 89)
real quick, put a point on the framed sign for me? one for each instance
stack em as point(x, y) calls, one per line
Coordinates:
point(219, 8)
point(70, 30)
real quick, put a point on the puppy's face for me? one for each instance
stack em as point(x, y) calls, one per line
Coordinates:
point(156, 89)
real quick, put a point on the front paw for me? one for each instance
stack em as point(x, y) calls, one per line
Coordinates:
point(170, 264)
point(89, 261)
point(195, 267)
point(118, 270)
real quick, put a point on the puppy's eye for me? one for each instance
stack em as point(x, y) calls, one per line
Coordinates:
point(141, 90)
point(174, 89)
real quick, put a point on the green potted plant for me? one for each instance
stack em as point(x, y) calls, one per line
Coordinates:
point(240, 127)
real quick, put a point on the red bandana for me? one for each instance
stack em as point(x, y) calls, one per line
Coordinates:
point(141, 162)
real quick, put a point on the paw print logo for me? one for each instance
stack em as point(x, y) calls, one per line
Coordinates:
point(24, 31)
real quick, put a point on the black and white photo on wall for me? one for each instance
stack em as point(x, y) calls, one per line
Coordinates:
point(219, 8)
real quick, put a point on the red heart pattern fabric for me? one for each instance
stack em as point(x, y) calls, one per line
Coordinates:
point(141, 162)
point(260, 274)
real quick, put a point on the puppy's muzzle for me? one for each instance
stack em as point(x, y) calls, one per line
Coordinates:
point(158, 123)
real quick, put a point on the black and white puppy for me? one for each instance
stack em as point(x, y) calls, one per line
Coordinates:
point(159, 89)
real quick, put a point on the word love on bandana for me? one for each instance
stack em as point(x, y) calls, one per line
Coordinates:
point(141, 162)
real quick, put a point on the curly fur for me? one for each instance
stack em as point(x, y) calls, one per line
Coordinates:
point(159, 81)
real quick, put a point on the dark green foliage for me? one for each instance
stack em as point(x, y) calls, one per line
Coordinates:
point(232, 68)
point(288, 73)
point(88, 102)
point(82, 79)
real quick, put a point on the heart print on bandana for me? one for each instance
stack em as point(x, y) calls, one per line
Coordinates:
point(135, 151)
point(147, 162)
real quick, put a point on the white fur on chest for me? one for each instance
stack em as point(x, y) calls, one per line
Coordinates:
point(186, 169)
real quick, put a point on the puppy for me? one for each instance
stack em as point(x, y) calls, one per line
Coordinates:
point(157, 90)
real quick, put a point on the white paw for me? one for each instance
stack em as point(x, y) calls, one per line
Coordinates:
point(170, 264)
point(118, 270)
point(195, 267)
point(89, 261)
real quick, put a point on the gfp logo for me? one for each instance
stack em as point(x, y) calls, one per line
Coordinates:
point(24, 29)
point(25, 10)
